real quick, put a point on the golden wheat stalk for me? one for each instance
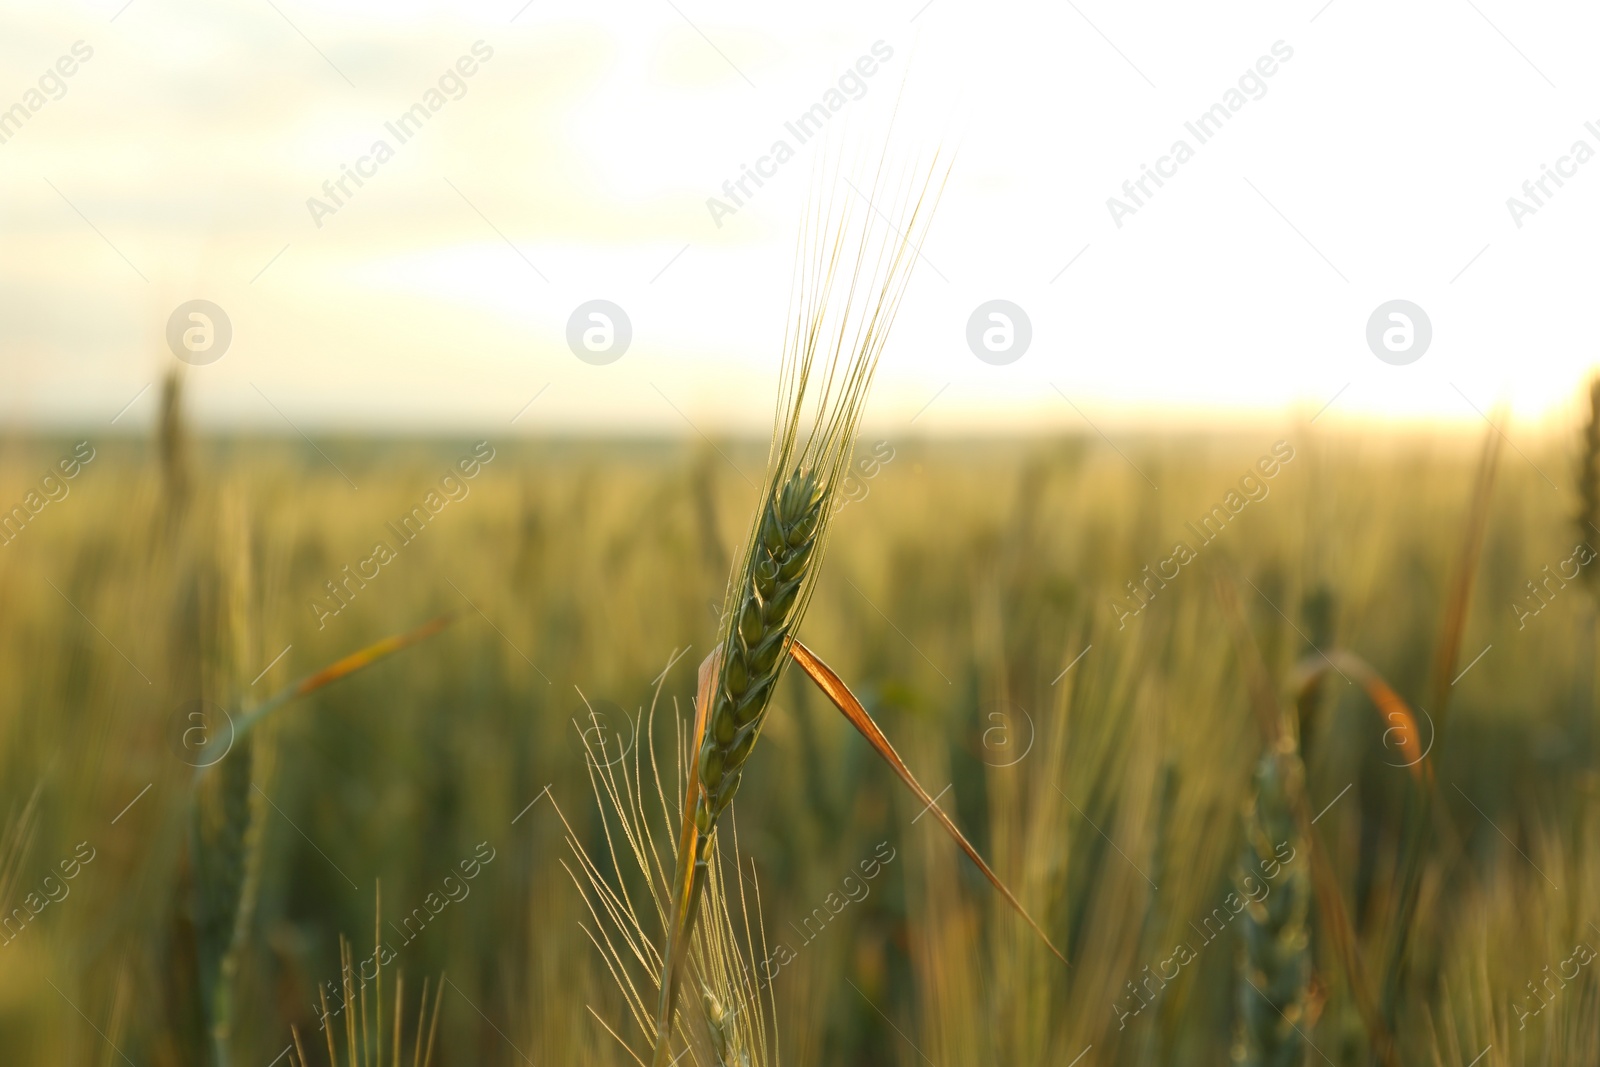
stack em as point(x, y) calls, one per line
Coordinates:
point(172, 440)
point(843, 303)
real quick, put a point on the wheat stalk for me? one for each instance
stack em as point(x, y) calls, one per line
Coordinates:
point(225, 822)
point(172, 440)
point(767, 596)
point(227, 816)
point(842, 306)
point(1417, 819)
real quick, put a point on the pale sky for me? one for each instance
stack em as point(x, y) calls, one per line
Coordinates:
point(575, 163)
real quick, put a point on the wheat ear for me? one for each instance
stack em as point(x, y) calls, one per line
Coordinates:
point(850, 277)
point(1275, 953)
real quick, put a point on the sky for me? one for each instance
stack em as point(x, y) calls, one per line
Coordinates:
point(1357, 154)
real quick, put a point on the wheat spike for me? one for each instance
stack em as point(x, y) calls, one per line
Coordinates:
point(1275, 954)
point(773, 581)
point(850, 277)
point(752, 653)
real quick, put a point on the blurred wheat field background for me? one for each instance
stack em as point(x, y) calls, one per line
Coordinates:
point(1105, 762)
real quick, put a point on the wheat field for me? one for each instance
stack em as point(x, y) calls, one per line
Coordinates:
point(1086, 701)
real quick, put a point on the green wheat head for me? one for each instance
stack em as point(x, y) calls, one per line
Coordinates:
point(831, 351)
point(1275, 954)
point(753, 651)
point(851, 272)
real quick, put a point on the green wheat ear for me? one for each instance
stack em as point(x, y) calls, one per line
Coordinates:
point(851, 275)
point(1275, 954)
point(752, 655)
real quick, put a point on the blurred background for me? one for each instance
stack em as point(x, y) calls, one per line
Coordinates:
point(576, 163)
point(548, 311)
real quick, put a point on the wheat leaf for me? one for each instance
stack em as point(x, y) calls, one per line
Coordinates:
point(1310, 671)
point(835, 690)
point(334, 671)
